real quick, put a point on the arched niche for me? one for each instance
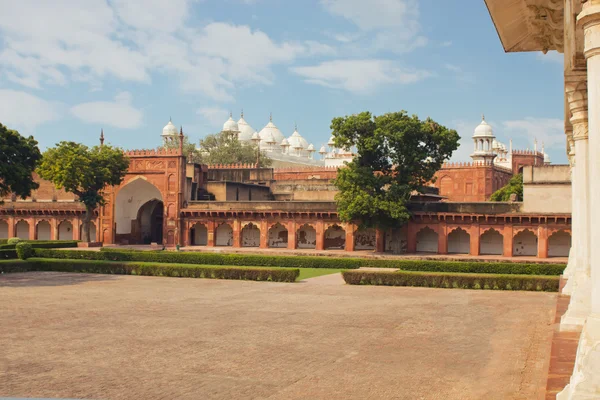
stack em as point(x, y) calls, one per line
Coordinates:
point(427, 241)
point(130, 199)
point(199, 234)
point(44, 230)
point(224, 235)
point(65, 230)
point(3, 229)
point(335, 238)
point(491, 242)
point(559, 244)
point(459, 242)
point(364, 239)
point(278, 236)
point(306, 237)
point(22, 230)
point(396, 240)
point(250, 236)
point(525, 243)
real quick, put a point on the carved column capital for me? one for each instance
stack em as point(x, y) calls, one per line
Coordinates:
point(577, 98)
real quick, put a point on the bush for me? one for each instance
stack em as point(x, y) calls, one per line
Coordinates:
point(307, 262)
point(3, 241)
point(14, 266)
point(8, 254)
point(479, 267)
point(173, 270)
point(42, 244)
point(24, 250)
point(204, 258)
point(453, 280)
point(13, 240)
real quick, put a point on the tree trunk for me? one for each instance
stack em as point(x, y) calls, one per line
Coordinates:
point(87, 218)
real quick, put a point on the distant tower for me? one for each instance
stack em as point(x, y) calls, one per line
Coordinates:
point(169, 133)
point(483, 139)
point(101, 137)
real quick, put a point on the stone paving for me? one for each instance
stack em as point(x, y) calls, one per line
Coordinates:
point(129, 337)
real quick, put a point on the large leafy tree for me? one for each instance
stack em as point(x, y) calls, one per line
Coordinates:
point(396, 154)
point(514, 186)
point(225, 148)
point(84, 171)
point(18, 158)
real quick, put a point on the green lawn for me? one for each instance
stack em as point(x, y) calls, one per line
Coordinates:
point(306, 273)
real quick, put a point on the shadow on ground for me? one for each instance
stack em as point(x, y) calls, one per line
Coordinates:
point(28, 279)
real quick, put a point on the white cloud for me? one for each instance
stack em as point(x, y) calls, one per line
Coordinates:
point(358, 76)
point(118, 113)
point(89, 41)
point(550, 131)
point(447, 43)
point(214, 115)
point(23, 111)
point(385, 24)
point(453, 68)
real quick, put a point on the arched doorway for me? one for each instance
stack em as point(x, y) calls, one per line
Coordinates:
point(335, 238)
point(199, 235)
point(491, 243)
point(427, 241)
point(306, 237)
point(65, 230)
point(224, 235)
point(3, 230)
point(364, 239)
point(250, 236)
point(278, 236)
point(44, 230)
point(396, 240)
point(148, 225)
point(139, 212)
point(459, 242)
point(22, 230)
point(559, 244)
point(525, 244)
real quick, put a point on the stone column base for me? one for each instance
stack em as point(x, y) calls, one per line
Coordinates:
point(580, 303)
point(568, 273)
point(585, 381)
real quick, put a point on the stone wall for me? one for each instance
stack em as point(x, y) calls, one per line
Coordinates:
point(547, 189)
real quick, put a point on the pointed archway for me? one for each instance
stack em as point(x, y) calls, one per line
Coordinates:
point(139, 213)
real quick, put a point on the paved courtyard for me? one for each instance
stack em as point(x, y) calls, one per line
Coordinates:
point(127, 337)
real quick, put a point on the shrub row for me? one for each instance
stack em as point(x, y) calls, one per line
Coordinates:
point(478, 267)
point(151, 269)
point(453, 280)
point(309, 262)
point(42, 244)
point(202, 258)
point(7, 254)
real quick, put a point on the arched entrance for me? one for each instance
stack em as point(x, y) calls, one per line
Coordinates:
point(306, 237)
point(278, 236)
point(491, 242)
point(335, 238)
point(250, 236)
point(65, 230)
point(22, 230)
point(559, 244)
point(3, 230)
point(459, 242)
point(427, 240)
point(139, 213)
point(199, 234)
point(525, 244)
point(44, 230)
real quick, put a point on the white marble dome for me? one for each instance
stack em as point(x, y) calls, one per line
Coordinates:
point(483, 130)
point(546, 158)
point(230, 125)
point(270, 131)
point(169, 129)
point(331, 143)
point(310, 147)
point(245, 130)
point(296, 141)
point(322, 150)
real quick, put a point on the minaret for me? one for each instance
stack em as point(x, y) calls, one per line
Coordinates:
point(181, 140)
point(101, 137)
point(483, 138)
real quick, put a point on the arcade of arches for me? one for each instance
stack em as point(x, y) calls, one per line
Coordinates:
point(436, 237)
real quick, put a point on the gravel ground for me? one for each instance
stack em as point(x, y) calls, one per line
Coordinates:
point(129, 337)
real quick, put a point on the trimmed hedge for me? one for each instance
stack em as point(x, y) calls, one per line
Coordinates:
point(202, 258)
point(3, 241)
point(152, 269)
point(42, 244)
point(24, 250)
point(453, 280)
point(308, 262)
point(8, 254)
point(8, 266)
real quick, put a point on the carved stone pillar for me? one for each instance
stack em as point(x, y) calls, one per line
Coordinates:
point(237, 233)
point(350, 230)
point(542, 250)
point(291, 227)
point(508, 240)
point(585, 381)
point(11, 227)
point(570, 269)
point(475, 237)
point(32, 229)
point(320, 235)
point(210, 228)
point(579, 284)
point(442, 238)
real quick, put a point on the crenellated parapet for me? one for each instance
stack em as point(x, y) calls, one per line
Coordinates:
point(152, 153)
point(233, 166)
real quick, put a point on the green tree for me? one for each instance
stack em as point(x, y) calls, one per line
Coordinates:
point(395, 155)
point(189, 149)
point(18, 158)
point(514, 185)
point(225, 148)
point(85, 172)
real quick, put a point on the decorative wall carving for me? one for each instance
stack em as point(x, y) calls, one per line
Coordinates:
point(547, 23)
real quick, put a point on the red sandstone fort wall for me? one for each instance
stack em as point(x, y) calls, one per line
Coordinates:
point(468, 182)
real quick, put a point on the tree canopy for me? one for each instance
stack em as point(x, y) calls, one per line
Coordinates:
point(18, 158)
point(514, 185)
point(84, 171)
point(225, 148)
point(396, 154)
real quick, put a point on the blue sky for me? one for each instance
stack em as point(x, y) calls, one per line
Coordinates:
point(71, 67)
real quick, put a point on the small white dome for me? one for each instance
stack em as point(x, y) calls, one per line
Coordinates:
point(169, 129)
point(322, 150)
point(310, 147)
point(285, 142)
point(245, 130)
point(255, 136)
point(270, 131)
point(546, 158)
point(483, 130)
point(297, 141)
point(331, 143)
point(230, 125)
